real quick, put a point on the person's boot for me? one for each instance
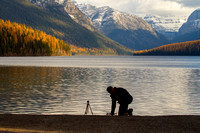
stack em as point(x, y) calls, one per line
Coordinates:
point(130, 112)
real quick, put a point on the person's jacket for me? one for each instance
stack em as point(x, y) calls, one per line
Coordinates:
point(122, 96)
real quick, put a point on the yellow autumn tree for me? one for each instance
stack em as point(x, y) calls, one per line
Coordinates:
point(17, 39)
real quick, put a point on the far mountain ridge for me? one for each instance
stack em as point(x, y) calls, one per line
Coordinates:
point(190, 30)
point(129, 30)
point(103, 15)
point(166, 25)
point(192, 24)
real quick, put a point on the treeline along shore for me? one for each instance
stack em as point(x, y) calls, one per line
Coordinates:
point(191, 48)
point(98, 124)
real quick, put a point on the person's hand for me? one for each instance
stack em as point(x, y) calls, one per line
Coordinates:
point(110, 114)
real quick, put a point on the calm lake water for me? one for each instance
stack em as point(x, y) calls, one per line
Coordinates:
point(62, 85)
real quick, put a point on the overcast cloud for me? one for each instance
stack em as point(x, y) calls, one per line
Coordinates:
point(156, 7)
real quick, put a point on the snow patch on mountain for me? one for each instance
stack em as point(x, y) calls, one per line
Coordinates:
point(166, 23)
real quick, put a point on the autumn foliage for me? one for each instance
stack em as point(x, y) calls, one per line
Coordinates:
point(75, 50)
point(184, 48)
point(19, 40)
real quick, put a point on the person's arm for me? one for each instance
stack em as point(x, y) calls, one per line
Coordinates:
point(113, 106)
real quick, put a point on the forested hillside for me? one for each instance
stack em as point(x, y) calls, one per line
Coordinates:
point(191, 48)
point(19, 40)
point(54, 21)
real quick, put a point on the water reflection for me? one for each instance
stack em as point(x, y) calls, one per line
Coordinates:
point(60, 90)
point(194, 87)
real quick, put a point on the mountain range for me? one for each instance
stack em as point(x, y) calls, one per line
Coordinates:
point(133, 32)
point(52, 18)
point(129, 30)
point(121, 27)
point(177, 28)
point(166, 25)
point(83, 24)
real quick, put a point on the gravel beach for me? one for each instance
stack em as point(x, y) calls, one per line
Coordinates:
point(98, 124)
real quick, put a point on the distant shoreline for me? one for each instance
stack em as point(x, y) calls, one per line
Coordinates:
point(99, 124)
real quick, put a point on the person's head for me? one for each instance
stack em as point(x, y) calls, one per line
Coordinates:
point(110, 89)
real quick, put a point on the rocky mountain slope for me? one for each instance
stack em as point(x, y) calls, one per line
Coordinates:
point(190, 30)
point(166, 25)
point(192, 24)
point(67, 7)
point(129, 30)
point(54, 20)
point(70, 9)
point(78, 16)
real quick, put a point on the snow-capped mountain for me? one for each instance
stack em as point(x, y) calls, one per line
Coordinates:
point(190, 30)
point(129, 30)
point(193, 23)
point(106, 18)
point(166, 25)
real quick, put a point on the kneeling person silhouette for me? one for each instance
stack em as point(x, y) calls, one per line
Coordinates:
point(124, 99)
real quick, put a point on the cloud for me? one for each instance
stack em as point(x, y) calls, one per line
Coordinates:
point(189, 3)
point(157, 7)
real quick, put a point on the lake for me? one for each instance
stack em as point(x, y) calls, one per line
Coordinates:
point(160, 85)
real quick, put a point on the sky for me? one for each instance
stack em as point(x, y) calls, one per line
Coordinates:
point(155, 7)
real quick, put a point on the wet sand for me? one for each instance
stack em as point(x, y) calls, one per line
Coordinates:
point(98, 124)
